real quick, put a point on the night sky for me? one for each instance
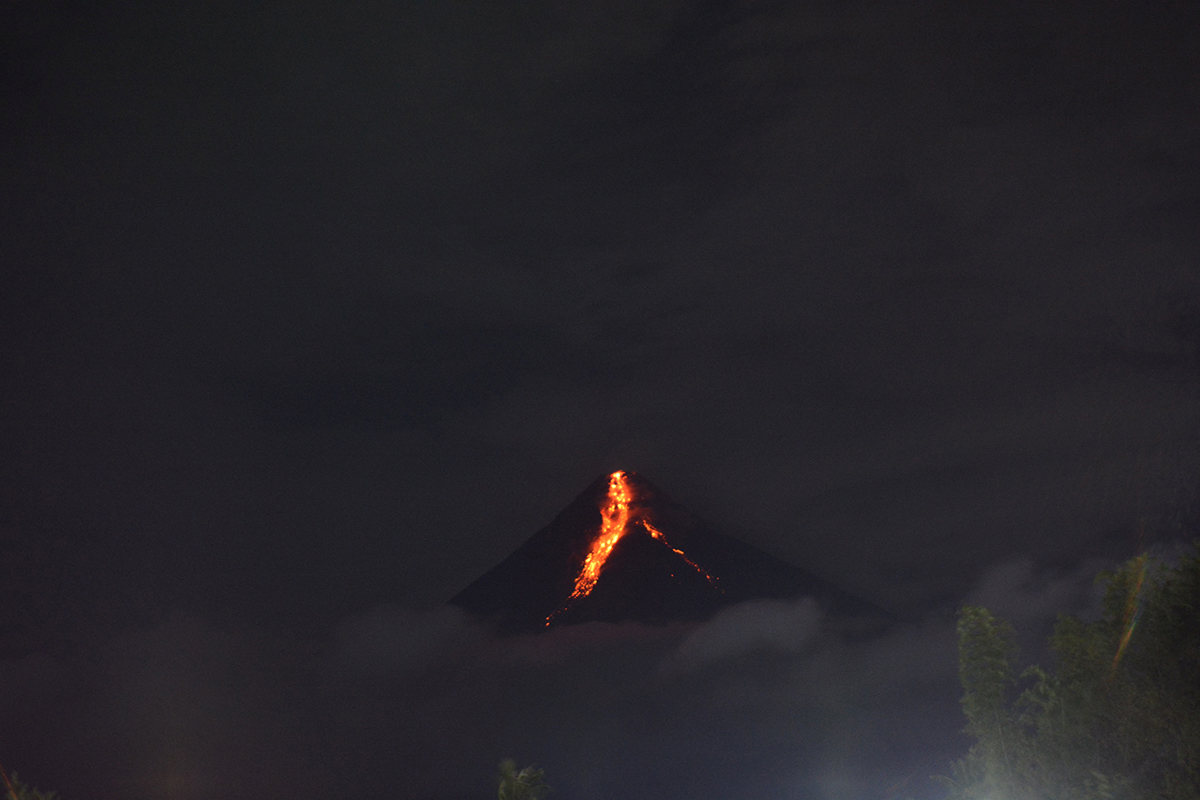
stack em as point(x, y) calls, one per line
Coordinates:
point(311, 314)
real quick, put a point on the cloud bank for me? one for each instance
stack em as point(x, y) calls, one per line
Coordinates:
point(767, 699)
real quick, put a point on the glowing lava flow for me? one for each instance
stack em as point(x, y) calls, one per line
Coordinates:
point(617, 515)
point(657, 534)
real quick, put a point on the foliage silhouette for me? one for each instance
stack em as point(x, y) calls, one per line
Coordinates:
point(525, 784)
point(1119, 715)
point(14, 789)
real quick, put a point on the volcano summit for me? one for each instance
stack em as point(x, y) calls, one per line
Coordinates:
point(622, 552)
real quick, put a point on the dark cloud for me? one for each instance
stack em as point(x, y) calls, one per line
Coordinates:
point(327, 274)
point(394, 640)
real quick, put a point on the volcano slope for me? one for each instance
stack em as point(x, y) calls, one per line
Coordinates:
point(622, 551)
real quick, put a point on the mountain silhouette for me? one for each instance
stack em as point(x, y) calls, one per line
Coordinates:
point(623, 551)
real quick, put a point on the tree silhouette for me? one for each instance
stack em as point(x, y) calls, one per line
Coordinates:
point(14, 789)
point(525, 784)
point(1119, 715)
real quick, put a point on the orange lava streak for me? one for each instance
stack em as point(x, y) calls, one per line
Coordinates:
point(615, 514)
point(657, 534)
point(616, 520)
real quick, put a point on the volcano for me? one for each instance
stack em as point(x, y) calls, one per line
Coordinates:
point(623, 551)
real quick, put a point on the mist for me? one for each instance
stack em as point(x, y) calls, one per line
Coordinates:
point(767, 699)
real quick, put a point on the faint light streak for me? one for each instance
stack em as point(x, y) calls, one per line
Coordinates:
point(1133, 611)
point(12, 793)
